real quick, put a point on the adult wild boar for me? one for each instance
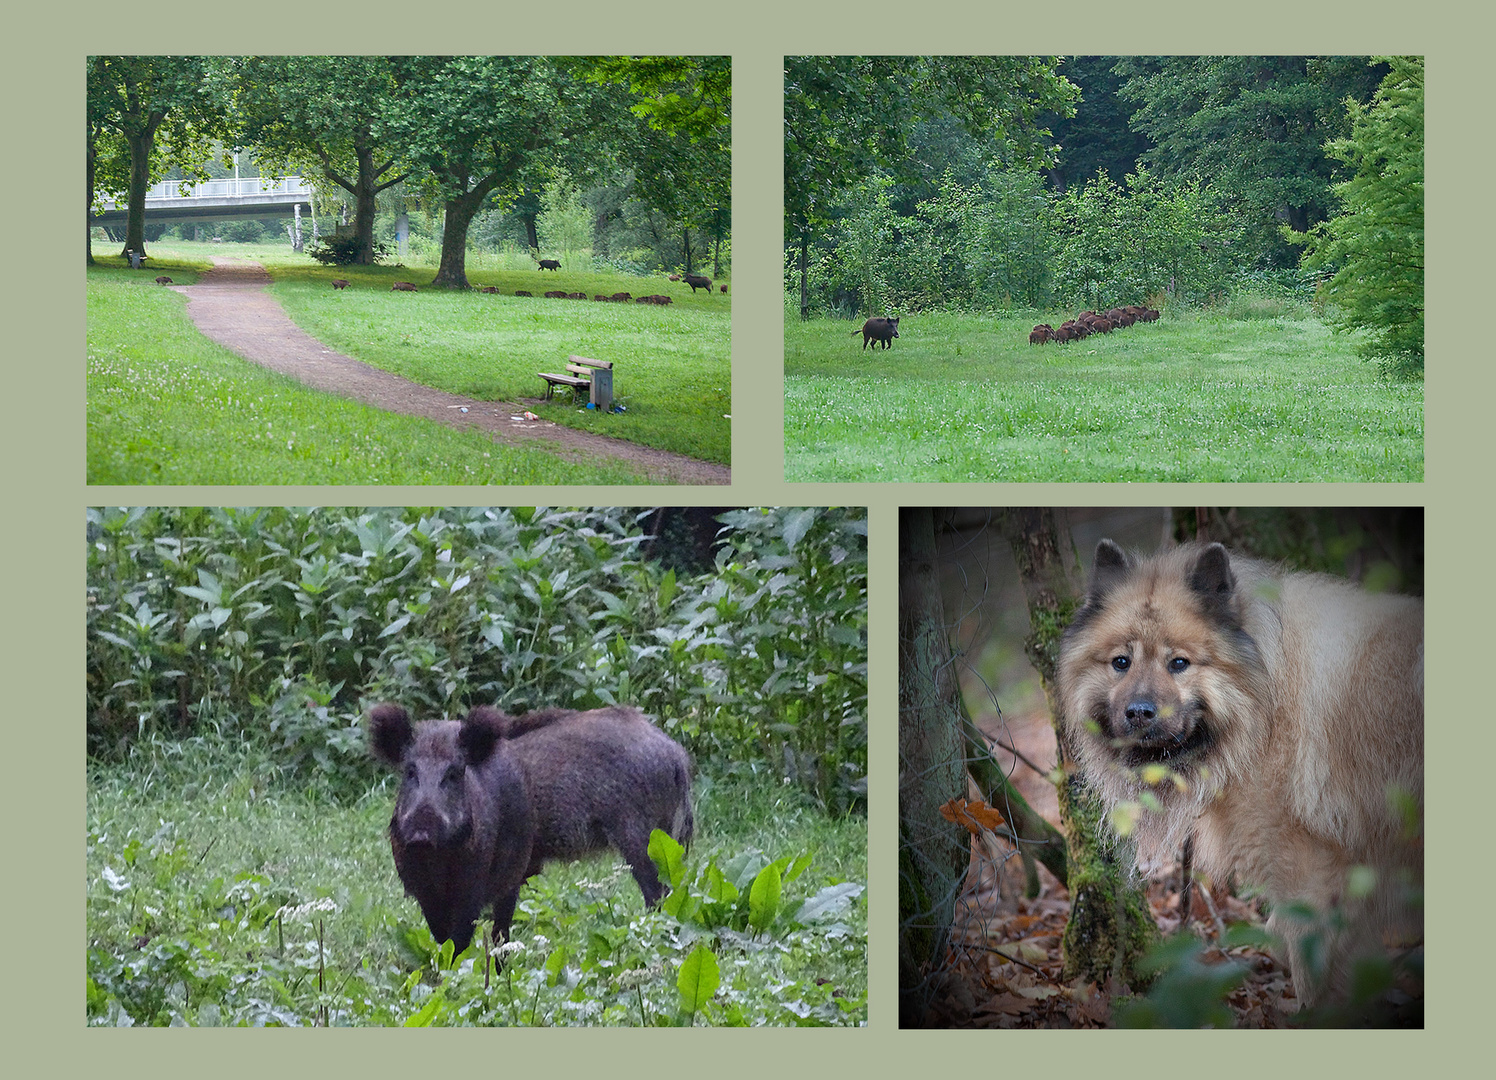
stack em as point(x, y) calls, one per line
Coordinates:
point(550, 264)
point(879, 328)
point(696, 281)
point(402, 286)
point(340, 283)
point(485, 802)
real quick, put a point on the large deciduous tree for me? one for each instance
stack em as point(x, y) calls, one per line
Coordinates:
point(486, 124)
point(680, 150)
point(1252, 126)
point(846, 116)
point(325, 114)
point(1375, 245)
point(168, 110)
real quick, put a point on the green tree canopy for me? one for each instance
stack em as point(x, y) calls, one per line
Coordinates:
point(845, 116)
point(680, 148)
point(324, 114)
point(168, 110)
point(486, 124)
point(1253, 126)
point(1375, 245)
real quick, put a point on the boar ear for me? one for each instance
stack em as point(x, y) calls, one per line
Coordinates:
point(390, 733)
point(483, 728)
point(1211, 579)
point(1111, 567)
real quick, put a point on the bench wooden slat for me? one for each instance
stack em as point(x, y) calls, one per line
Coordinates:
point(591, 363)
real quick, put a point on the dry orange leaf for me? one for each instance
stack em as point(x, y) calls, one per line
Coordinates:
point(974, 816)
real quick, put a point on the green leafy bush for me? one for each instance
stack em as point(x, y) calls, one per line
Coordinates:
point(343, 249)
point(282, 624)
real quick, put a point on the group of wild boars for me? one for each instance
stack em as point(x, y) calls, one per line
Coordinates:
point(1089, 322)
point(486, 801)
point(879, 328)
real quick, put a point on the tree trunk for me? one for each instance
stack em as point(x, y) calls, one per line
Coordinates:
point(685, 243)
point(363, 203)
point(140, 145)
point(933, 852)
point(717, 253)
point(1110, 925)
point(88, 209)
point(532, 237)
point(804, 274)
point(458, 214)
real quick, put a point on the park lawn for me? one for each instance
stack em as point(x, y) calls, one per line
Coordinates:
point(220, 893)
point(168, 406)
point(1192, 397)
point(672, 366)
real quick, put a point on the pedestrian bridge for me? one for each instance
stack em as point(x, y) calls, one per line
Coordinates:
point(229, 199)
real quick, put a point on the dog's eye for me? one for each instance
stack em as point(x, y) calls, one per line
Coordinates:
point(1121, 663)
point(1178, 664)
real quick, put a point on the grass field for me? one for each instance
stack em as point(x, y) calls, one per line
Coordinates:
point(1192, 397)
point(168, 406)
point(220, 896)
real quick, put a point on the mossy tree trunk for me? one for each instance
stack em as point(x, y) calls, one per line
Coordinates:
point(1110, 925)
point(933, 852)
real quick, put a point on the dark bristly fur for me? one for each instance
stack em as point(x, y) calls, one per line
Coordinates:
point(879, 328)
point(1289, 706)
point(487, 801)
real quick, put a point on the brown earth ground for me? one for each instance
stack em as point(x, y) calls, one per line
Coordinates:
point(1004, 964)
point(229, 304)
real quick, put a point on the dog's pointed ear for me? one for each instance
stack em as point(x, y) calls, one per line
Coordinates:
point(1111, 566)
point(1211, 579)
point(390, 733)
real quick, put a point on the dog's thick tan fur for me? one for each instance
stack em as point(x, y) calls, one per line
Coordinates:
point(1291, 706)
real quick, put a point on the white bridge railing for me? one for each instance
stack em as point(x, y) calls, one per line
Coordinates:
point(229, 186)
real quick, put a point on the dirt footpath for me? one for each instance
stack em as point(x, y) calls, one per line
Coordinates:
point(230, 305)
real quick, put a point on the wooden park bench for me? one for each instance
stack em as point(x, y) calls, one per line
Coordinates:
point(594, 376)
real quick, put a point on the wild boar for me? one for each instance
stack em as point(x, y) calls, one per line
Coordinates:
point(402, 286)
point(696, 281)
point(484, 803)
point(339, 283)
point(550, 264)
point(879, 328)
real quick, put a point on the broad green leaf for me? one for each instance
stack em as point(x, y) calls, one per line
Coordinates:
point(698, 980)
point(763, 899)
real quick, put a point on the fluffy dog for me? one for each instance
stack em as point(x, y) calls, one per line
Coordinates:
point(1275, 717)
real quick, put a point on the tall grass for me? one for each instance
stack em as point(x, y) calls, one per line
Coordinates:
point(1271, 395)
